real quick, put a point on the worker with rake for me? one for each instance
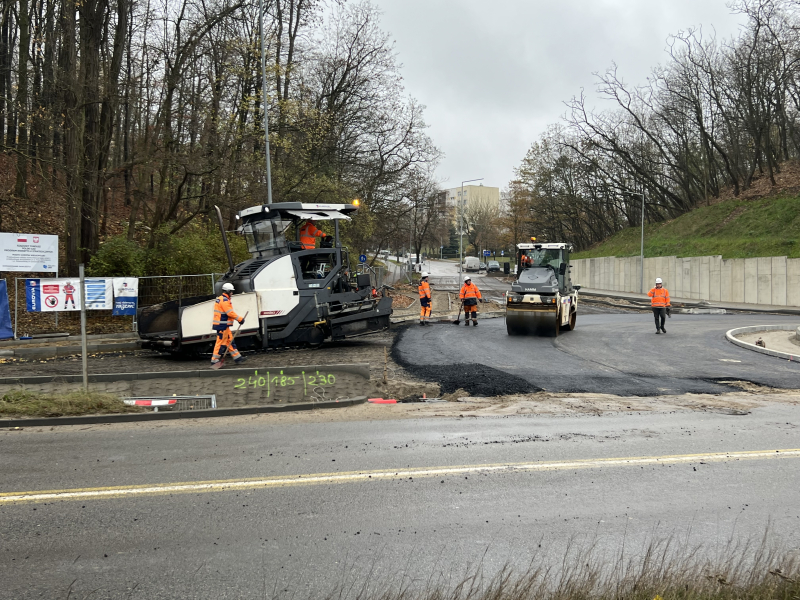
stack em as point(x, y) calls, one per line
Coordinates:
point(224, 316)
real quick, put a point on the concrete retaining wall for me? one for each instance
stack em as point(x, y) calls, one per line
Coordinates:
point(769, 280)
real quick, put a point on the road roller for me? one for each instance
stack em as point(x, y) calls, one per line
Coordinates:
point(542, 300)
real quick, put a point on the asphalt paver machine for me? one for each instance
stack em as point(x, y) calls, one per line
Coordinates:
point(300, 296)
point(542, 300)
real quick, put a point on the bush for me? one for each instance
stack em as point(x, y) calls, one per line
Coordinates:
point(118, 257)
point(194, 250)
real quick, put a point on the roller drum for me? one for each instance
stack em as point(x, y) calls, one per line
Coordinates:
point(524, 322)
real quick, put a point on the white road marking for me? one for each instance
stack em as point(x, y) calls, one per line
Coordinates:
point(363, 476)
point(729, 360)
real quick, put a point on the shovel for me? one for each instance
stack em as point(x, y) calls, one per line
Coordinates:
point(458, 316)
point(218, 365)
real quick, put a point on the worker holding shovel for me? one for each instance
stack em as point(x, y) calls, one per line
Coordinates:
point(470, 295)
point(224, 316)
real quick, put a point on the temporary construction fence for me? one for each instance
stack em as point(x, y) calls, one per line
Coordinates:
point(152, 290)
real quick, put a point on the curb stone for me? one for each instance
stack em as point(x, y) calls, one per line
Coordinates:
point(732, 333)
point(183, 414)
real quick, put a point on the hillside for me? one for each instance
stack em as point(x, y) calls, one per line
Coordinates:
point(735, 228)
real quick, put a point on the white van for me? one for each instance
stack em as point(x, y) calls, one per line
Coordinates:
point(471, 263)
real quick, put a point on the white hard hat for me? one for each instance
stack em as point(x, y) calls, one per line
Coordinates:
point(658, 280)
point(424, 274)
point(227, 287)
point(467, 277)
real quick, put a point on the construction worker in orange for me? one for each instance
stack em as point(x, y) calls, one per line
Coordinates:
point(224, 316)
point(424, 299)
point(470, 295)
point(659, 301)
point(307, 234)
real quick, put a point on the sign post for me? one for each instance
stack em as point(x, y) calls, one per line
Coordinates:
point(84, 356)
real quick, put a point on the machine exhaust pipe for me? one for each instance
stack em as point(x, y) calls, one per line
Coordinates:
point(224, 239)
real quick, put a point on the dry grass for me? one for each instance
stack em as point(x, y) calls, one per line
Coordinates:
point(664, 571)
point(24, 403)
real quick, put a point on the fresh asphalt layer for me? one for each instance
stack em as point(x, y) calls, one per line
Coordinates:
point(606, 353)
point(430, 506)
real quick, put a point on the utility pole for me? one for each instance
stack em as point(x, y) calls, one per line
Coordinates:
point(461, 227)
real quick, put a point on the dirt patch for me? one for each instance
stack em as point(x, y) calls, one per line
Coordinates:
point(401, 301)
point(780, 340)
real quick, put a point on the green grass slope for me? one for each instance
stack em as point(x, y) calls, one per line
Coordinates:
point(737, 228)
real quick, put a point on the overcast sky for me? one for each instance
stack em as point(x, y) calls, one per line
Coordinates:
point(494, 74)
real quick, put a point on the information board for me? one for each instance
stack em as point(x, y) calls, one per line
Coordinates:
point(29, 252)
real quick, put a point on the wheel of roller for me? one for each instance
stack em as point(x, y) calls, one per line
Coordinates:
point(573, 316)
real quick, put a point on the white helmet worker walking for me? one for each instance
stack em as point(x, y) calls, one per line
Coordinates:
point(227, 287)
point(467, 278)
point(659, 301)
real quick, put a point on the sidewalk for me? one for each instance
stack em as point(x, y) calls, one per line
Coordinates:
point(644, 299)
point(53, 347)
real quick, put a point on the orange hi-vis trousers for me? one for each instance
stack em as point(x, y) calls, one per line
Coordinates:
point(424, 309)
point(225, 339)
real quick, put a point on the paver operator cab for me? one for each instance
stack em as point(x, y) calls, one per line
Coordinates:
point(301, 296)
point(542, 300)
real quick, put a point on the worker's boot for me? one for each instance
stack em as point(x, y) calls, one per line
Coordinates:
point(474, 322)
point(466, 323)
point(239, 360)
point(422, 323)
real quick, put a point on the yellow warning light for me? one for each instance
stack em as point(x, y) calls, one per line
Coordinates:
point(356, 202)
point(533, 239)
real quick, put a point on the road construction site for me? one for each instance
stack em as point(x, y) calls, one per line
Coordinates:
point(611, 361)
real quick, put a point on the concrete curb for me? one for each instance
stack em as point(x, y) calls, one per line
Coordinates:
point(362, 369)
point(692, 303)
point(183, 414)
point(56, 351)
point(732, 333)
point(448, 318)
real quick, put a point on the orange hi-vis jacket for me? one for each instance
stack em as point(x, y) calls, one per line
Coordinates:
point(307, 234)
point(224, 315)
point(470, 291)
point(424, 289)
point(659, 297)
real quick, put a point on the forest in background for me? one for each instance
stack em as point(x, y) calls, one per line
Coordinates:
point(156, 107)
point(716, 117)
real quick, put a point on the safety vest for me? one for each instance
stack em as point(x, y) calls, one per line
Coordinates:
point(424, 289)
point(307, 234)
point(659, 297)
point(469, 290)
point(223, 313)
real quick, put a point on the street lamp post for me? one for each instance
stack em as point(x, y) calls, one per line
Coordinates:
point(641, 251)
point(461, 226)
point(264, 98)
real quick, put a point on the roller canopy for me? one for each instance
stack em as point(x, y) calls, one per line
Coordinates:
point(318, 215)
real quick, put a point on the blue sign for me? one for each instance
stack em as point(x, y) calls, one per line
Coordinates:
point(6, 331)
point(487, 253)
point(362, 258)
point(33, 298)
point(124, 306)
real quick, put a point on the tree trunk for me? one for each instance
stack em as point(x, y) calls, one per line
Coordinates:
point(21, 186)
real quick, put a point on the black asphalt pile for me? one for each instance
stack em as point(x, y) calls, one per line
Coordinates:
point(478, 380)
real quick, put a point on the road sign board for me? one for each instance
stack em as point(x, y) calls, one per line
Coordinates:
point(487, 253)
point(362, 258)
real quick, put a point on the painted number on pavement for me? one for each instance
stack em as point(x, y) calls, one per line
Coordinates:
point(283, 381)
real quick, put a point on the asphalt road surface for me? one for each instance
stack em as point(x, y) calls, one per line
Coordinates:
point(390, 507)
point(606, 353)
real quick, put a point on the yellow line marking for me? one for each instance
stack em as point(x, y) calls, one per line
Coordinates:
point(360, 476)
